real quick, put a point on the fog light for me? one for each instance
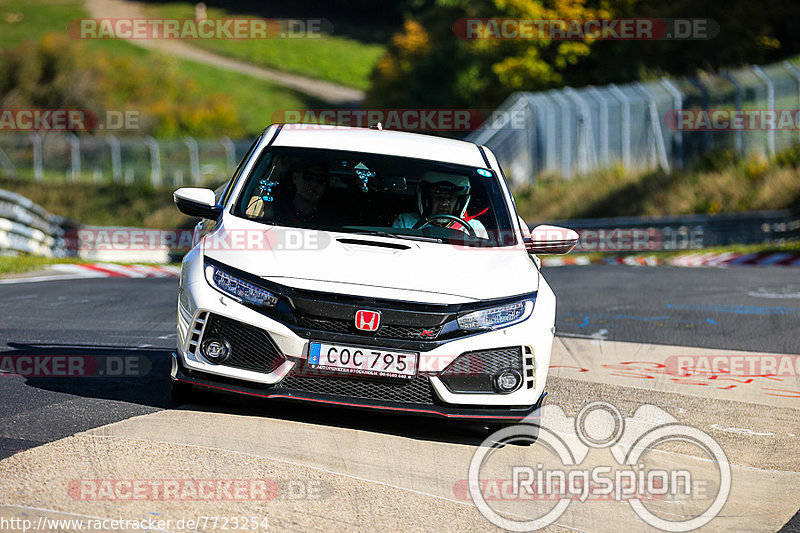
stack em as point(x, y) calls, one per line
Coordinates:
point(508, 380)
point(215, 350)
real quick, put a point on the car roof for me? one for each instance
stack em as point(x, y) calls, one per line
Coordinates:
point(374, 141)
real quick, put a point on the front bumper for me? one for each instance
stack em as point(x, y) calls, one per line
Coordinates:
point(282, 391)
point(281, 374)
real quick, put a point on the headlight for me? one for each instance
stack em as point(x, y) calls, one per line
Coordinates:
point(497, 317)
point(241, 290)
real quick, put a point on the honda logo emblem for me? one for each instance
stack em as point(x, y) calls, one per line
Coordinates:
point(368, 320)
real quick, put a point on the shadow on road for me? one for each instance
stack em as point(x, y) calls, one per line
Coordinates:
point(141, 376)
point(133, 375)
point(398, 424)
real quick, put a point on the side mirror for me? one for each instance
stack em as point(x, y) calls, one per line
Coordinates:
point(551, 240)
point(197, 202)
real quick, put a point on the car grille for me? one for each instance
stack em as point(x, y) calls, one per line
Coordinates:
point(415, 391)
point(251, 347)
point(386, 330)
point(486, 361)
point(474, 371)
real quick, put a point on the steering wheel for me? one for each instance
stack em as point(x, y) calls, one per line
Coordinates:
point(421, 223)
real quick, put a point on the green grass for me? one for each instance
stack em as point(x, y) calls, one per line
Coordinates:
point(328, 57)
point(255, 100)
point(138, 205)
point(28, 263)
point(720, 187)
point(30, 20)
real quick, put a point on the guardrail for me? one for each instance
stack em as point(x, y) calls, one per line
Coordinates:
point(26, 227)
point(683, 232)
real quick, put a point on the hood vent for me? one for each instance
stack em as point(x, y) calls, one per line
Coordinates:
point(376, 244)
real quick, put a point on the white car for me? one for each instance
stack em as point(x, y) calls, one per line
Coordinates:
point(369, 269)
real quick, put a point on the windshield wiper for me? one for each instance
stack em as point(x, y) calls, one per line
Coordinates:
point(399, 236)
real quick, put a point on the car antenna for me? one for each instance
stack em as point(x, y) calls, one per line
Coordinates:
point(377, 126)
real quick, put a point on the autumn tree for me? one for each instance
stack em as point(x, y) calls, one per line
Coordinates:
point(428, 64)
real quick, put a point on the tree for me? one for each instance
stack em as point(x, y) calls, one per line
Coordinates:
point(430, 64)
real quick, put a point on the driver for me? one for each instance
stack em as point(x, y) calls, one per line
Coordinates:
point(441, 199)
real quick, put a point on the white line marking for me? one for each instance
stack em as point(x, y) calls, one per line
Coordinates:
point(741, 431)
point(761, 293)
point(293, 463)
point(597, 336)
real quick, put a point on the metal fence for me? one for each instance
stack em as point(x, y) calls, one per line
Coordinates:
point(570, 132)
point(58, 156)
point(684, 232)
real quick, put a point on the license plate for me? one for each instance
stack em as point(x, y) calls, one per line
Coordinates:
point(360, 360)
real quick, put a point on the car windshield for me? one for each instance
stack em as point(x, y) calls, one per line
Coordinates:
point(392, 196)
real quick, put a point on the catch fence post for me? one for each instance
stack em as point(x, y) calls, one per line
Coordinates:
point(194, 159)
point(155, 161)
point(36, 141)
point(770, 105)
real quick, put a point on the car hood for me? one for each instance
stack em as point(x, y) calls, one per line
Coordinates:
point(373, 266)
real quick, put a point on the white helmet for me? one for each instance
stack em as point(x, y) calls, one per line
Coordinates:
point(441, 182)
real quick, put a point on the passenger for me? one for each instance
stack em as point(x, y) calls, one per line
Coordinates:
point(310, 181)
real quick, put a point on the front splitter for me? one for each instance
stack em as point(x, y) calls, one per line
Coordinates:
point(232, 386)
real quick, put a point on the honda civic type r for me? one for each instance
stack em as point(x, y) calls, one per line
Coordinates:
point(370, 269)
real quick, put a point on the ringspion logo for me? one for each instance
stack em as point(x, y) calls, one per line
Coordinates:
point(668, 495)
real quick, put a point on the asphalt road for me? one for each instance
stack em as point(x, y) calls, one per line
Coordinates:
point(133, 319)
point(738, 309)
point(131, 322)
point(106, 319)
